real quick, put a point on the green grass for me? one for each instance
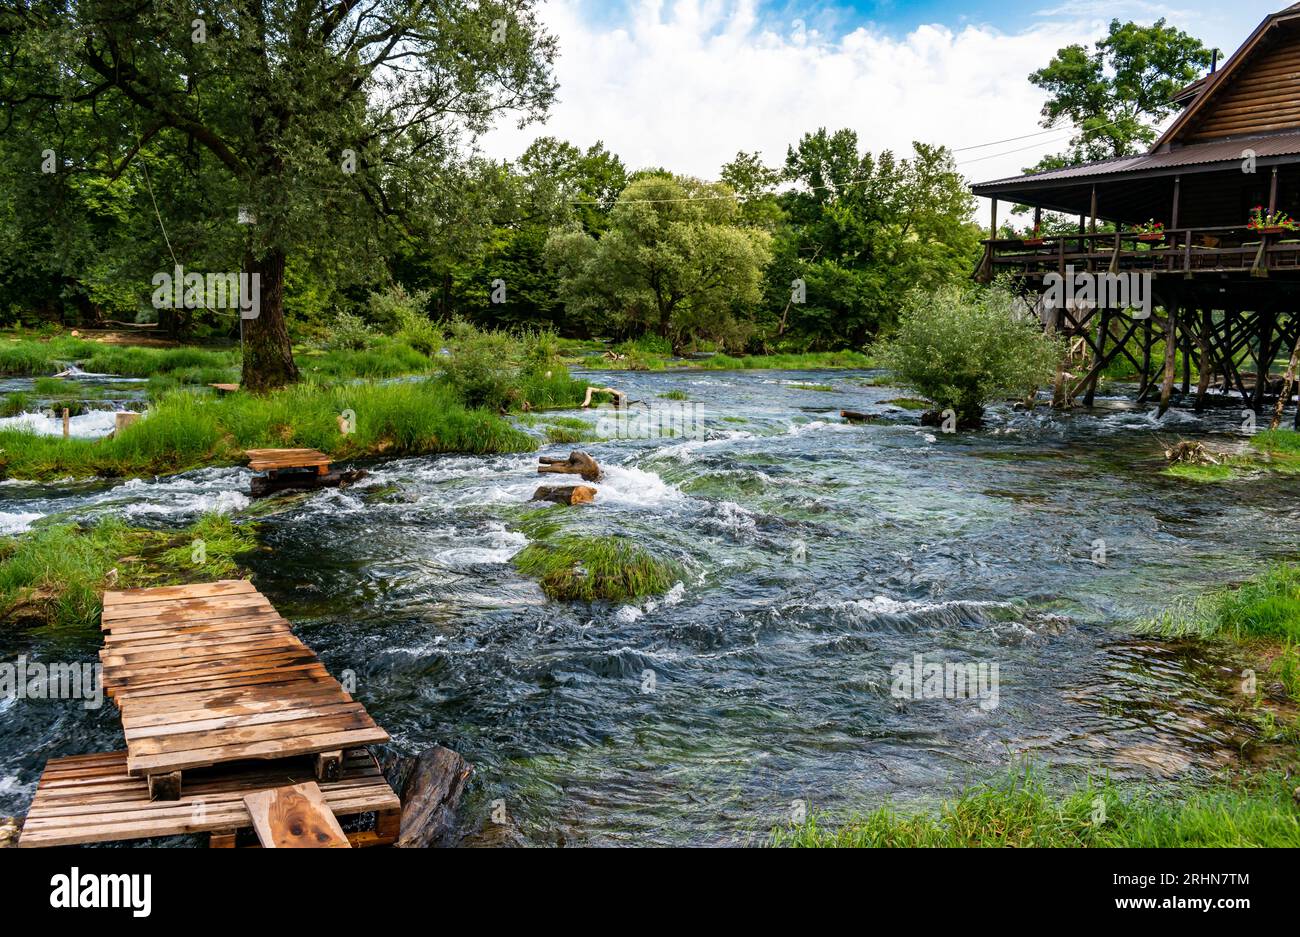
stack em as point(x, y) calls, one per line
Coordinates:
point(56, 574)
point(1224, 471)
point(1267, 607)
point(1022, 812)
point(652, 359)
point(675, 395)
point(184, 430)
point(824, 388)
point(575, 567)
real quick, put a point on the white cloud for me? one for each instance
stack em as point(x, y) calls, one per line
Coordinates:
point(686, 85)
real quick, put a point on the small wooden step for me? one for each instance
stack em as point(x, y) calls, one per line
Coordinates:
point(294, 818)
point(276, 460)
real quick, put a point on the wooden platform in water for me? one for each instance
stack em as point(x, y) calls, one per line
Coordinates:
point(277, 460)
point(92, 799)
point(210, 673)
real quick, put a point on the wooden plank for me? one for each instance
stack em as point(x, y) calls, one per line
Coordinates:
point(90, 798)
point(270, 748)
point(294, 818)
point(164, 593)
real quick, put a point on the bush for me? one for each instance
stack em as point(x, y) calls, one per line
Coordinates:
point(502, 371)
point(963, 349)
point(405, 315)
point(350, 332)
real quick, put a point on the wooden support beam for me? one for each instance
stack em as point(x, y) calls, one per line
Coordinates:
point(1272, 192)
point(1171, 348)
point(1203, 365)
point(1101, 359)
point(1263, 358)
point(1173, 213)
point(165, 786)
point(221, 839)
point(329, 765)
point(993, 218)
point(1092, 211)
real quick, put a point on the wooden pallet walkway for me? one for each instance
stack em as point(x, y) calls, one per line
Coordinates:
point(93, 799)
point(277, 460)
point(211, 673)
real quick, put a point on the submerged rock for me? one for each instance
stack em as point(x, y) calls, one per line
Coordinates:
point(565, 494)
point(9, 827)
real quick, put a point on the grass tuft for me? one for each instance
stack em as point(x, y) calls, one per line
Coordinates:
point(574, 567)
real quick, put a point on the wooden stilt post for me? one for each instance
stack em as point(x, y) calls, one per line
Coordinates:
point(67, 424)
point(993, 218)
point(1145, 385)
point(1287, 380)
point(1102, 332)
point(1187, 361)
point(1171, 348)
point(1262, 359)
point(1203, 368)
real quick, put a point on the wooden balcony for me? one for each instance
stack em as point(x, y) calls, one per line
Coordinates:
point(1190, 252)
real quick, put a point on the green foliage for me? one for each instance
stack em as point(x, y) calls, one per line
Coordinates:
point(1115, 93)
point(675, 262)
point(56, 573)
point(1267, 607)
point(350, 332)
point(1022, 812)
point(963, 349)
point(861, 231)
point(613, 569)
point(503, 371)
point(184, 430)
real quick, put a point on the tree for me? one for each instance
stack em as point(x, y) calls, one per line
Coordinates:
point(1114, 93)
point(674, 262)
point(334, 125)
point(962, 348)
point(865, 230)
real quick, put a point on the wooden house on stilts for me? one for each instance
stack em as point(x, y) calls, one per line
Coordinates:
point(1226, 287)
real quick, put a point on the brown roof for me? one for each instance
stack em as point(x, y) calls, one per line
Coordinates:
point(1220, 151)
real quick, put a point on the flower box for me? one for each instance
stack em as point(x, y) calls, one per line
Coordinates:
point(1273, 229)
point(1151, 236)
point(1032, 242)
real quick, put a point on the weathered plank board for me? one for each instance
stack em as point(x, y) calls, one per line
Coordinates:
point(274, 460)
point(211, 673)
point(91, 798)
point(294, 818)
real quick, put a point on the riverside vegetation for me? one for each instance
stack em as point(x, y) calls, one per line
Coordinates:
point(457, 406)
point(1255, 804)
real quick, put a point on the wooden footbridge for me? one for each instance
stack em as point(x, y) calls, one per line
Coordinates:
point(230, 721)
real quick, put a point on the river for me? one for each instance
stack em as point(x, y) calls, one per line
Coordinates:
point(817, 556)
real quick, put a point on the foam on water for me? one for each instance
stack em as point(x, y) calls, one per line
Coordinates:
point(18, 521)
point(633, 487)
point(93, 424)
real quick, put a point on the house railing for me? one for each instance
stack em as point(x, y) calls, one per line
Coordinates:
point(1177, 250)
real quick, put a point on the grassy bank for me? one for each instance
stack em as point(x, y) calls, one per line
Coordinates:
point(185, 431)
point(457, 408)
point(56, 574)
point(1257, 806)
point(648, 356)
point(1022, 811)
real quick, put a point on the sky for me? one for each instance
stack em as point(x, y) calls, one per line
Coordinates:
point(685, 85)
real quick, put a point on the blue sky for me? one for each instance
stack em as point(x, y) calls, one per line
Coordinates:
point(686, 83)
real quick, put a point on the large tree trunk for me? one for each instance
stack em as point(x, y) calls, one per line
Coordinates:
point(268, 354)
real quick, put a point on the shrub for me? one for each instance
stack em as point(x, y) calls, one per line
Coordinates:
point(963, 349)
point(350, 332)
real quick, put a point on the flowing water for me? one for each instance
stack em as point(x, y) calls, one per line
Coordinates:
point(817, 555)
